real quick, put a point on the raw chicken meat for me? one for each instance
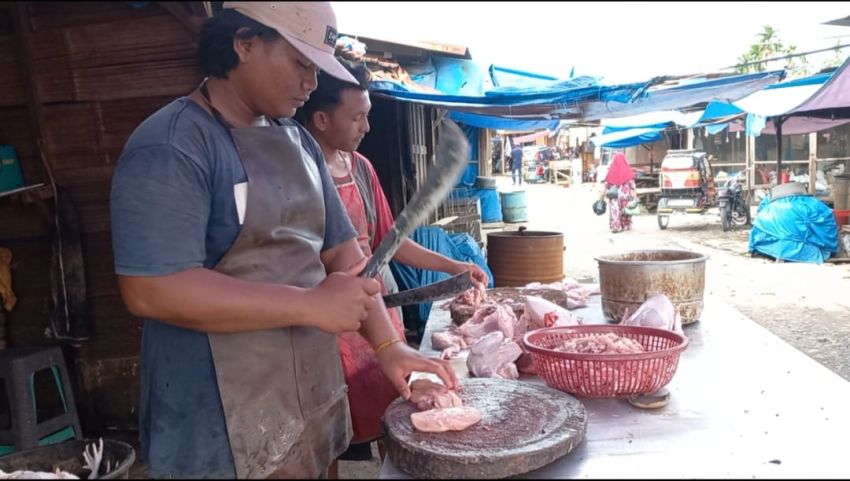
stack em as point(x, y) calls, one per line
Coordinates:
point(92, 455)
point(471, 297)
point(493, 356)
point(577, 294)
point(449, 341)
point(608, 343)
point(37, 475)
point(427, 395)
point(541, 313)
point(446, 419)
point(489, 317)
point(658, 312)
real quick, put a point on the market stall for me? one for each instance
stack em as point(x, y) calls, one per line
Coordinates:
point(743, 404)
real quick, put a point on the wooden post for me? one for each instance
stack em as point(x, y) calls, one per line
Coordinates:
point(778, 122)
point(813, 162)
point(750, 159)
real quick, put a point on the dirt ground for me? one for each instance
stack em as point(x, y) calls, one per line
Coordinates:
point(806, 305)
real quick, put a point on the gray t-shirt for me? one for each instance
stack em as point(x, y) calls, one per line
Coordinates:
point(173, 208)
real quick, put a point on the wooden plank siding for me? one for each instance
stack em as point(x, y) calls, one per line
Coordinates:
point(99, 69)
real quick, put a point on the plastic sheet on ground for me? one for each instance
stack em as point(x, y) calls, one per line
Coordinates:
point(798, 228)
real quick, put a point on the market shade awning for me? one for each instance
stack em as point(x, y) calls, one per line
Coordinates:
point(628, 137)
point(832, 100)
point(584, 99)
point(500, 123)
point(532, 137)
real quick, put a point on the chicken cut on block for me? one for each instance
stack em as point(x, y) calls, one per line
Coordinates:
point(449, 341)
point(489, 317)
point(426, 394)
point(445, 419)
point(658, 312)
point(493, 356)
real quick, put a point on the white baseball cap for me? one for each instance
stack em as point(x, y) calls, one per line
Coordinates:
point(309, 26)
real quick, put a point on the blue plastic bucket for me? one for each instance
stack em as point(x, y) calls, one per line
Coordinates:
point(514, 206)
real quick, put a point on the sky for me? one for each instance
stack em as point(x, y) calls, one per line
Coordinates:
point(621, 42)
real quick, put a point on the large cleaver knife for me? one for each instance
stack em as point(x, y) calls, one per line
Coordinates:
point(452, 156)
point(432, 292)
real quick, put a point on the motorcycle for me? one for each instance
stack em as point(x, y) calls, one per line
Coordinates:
point(734, 210)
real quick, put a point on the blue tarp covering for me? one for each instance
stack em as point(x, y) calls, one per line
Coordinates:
point(500, 123)
point(471, 137)
point(459, 76)
point(509, 77)
point(582, 97)
point(568, 91)
point(461, 247)
point(797, 228)
point(646, 138)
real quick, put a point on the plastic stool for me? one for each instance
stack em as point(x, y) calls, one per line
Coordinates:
point(18, 367)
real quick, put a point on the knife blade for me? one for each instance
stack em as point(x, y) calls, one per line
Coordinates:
point(451, 158)
point(432, 292)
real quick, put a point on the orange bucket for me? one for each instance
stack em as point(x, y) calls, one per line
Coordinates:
point(842, 217)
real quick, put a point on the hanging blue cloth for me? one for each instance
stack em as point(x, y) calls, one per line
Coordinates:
point(460, 247)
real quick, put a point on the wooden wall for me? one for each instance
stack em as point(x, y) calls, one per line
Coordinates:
point(95, 71)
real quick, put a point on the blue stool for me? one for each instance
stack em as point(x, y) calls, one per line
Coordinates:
point(19, 424)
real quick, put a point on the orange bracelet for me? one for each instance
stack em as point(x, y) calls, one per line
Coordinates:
point(385, 345)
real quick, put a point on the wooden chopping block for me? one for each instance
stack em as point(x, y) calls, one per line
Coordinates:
point(461, 313)
point(523, 427)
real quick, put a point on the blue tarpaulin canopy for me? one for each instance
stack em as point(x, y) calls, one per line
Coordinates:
point(500, 123)
point(583, 97)
point(757, 107)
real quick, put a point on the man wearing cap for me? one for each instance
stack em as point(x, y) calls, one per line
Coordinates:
point(231, 242)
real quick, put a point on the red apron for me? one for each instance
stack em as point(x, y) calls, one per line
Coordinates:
point(370, 392)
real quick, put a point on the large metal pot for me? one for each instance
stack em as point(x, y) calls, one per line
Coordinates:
point(627, 280)
point(517, 258)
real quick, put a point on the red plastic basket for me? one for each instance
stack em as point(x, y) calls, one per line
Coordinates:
point(606, 375)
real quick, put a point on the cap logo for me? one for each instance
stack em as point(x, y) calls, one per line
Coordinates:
point(330, 36)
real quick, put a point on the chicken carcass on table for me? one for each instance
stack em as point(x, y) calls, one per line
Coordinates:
point(539, 313)
point(450, 341)
point(657, 311)
point(493, 356)
point(471, 297)
point(577, 294)
point(426, 394)
point(446, 419)
point(489, 317)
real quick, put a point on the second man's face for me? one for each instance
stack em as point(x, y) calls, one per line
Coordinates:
point(349, 121)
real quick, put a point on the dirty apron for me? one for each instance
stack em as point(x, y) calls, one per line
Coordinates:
point(370, 392)
point(282, 390)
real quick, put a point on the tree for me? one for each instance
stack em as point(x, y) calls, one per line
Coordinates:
point(767, 46)
point(837, 57)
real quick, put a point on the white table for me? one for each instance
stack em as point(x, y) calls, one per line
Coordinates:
point(743, 404)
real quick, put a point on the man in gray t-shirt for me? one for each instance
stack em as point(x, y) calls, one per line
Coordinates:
point(184, 210)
